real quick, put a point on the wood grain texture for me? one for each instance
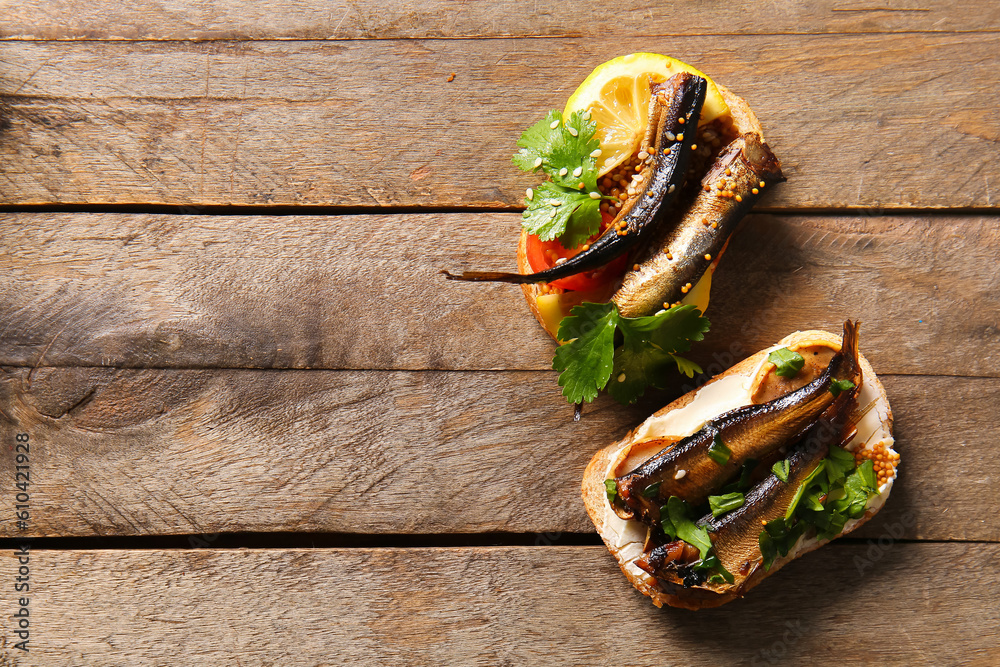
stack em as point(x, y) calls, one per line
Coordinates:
point(375, 122)
point(364, 291)
point(497, 606)
point(338, 19)
point(147, 452)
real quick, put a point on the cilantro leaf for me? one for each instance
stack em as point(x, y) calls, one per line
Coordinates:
point(646, 352)
point(637, 366)
point(781, 469)
point(640, 358)
point(611, 489)
point(558, 212)
point(562, 149)
point(787, 363)
point(686, 366)
point(585, 362)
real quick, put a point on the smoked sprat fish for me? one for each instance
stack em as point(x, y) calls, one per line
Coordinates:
point(674, 105)
point(735, 181)
point(700, 464)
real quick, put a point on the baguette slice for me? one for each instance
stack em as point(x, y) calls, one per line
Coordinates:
point(743, 120)
point(724, 392)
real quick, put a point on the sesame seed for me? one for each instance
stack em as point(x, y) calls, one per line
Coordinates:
point(561, 260)
point(671, 136)
point(563, 171)
point(680, 474)
point(529, 193)
point(552, 213)
point(643, 155)
point(586, 114)
point(578, 171)
point(621, 378)
point(538, 162)
point(555, 202)
point(671, 189)
point(553, 125)
point(595, 195)
point(572, 130)
point(595, 153)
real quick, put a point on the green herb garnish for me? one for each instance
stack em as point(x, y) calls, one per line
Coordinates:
point(631, 353)
point(780, 470)
point(787, 363)
point(676, 523)
point(837, 386)
point(836, 491)
point(652, 490)
point(718, 452)
point(567, 207)
point(725, 503)
point(611, 488)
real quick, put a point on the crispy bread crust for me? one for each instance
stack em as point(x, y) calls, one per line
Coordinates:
point(594, 497)
point(744, 120)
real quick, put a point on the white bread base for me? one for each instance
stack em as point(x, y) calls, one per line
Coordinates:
point(624, 539)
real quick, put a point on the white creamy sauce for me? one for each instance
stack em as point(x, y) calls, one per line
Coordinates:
point(712, 400)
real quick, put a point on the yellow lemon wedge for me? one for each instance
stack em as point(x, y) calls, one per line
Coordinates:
point(617, 96)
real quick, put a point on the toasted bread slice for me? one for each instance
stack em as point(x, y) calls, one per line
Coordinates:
point(625, 539)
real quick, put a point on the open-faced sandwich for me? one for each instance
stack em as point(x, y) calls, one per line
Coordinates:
point(773, 458)
point(650, 168)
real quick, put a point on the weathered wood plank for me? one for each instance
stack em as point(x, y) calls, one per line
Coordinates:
point(309, 19)
point(137, 452)
point(364, 291)
point(907, 120)
point(496, 606)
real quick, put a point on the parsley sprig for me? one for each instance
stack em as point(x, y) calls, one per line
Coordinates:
point(566, 207)
point(624, 354)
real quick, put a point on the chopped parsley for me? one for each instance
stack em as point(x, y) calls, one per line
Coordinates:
point(725, 503)
point(837, 386)
point(836, 491)
point(675, 519)
point(718, 452)
point(787, 363)
point(781, 469)
point(567, 206)
point(611, 488)
point(631, 352)
point(676, 523)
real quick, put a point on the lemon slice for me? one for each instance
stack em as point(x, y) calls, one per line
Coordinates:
point(617, 95)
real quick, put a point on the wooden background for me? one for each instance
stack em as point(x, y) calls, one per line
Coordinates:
point(264, 431)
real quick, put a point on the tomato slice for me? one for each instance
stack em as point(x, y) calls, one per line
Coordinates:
point(544, 254)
